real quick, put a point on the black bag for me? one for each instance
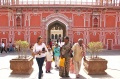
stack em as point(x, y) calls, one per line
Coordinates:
point(43, 49)
point(71, 55)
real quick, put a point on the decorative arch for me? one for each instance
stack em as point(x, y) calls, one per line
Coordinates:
point(18, 19)
point(56, 17)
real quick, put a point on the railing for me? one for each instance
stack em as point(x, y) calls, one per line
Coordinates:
point(27, 3)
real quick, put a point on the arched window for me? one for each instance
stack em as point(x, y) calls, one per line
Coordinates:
point(60, 28)
point(18, 21)
point(95, 22)
point(56, 36)
point(56, 27)
point(52, 36)
point(59, 35)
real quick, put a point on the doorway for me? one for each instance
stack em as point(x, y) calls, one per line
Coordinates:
point(56, 31)
point(109, 44)
point(4, 40)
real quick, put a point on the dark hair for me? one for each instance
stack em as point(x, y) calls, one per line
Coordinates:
point(39, 38)
point(66, 37)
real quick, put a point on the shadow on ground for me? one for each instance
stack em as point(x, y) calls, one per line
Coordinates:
point(107, 76)
point(18, 76)
point(81, 77)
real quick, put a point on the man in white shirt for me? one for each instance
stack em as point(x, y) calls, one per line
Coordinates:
point(3, 47)
point(79, 52)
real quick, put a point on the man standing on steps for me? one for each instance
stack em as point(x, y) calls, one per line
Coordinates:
point(3, 47)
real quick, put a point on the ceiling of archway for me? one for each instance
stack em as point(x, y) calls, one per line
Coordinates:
point(56, 24)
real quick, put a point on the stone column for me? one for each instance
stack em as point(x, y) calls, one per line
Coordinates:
point(101, 2)
point(12, 2)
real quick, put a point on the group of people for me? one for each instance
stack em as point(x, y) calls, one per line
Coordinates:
point(72, 55)
point(8, 48)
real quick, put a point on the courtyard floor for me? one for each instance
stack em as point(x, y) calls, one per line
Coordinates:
point(113, 70)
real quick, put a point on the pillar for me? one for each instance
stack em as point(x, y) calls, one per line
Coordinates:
point(101, 2)
point(12, 2)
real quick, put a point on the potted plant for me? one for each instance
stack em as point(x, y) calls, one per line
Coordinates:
point(23, 63)
point(21, 48)
point(94, 64)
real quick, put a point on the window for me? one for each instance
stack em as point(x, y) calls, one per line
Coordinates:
point(60, 28)
point(59, 35)
point(95, 22)
point(56, 27)
point(56, 36)
point(18, 21)
point(52, 36)
point(95, 19)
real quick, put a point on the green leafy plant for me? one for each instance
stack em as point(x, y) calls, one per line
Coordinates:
point(94, 48)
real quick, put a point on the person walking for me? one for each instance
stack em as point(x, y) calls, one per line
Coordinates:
point(3, 47)
point(57, 55)
point(50, 43)
point(79, 51)
point(49, 58)
point(39, 50)
point(65, 53)
point(11, 47)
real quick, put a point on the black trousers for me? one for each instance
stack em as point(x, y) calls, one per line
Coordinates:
point(40, 62)
point(3, 49)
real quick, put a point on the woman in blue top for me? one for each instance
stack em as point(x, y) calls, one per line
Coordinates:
point(56, 55)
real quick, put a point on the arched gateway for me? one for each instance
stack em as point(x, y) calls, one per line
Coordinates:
point(57, 26)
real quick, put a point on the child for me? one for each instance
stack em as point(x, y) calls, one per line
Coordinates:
point(61, 67)
point(48, 60)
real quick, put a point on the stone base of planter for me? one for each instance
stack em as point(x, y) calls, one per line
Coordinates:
point(95, 66)
point(21, 66)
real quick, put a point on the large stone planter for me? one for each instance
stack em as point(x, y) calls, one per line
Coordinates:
point(95, 66)
point(21, 66)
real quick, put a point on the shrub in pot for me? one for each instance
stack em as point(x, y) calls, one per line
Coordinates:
point(94, 64)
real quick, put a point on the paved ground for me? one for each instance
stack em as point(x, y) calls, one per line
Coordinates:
point(113, 71)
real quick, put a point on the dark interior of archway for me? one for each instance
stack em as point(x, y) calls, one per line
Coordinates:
point(61, 25)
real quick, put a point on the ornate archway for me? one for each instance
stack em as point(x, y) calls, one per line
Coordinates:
point(62, 20)
point(56, 30)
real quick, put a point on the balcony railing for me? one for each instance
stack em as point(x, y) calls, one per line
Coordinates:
point(42, 3)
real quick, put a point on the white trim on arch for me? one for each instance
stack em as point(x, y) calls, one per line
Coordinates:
point(57, 15)
point(56, 19)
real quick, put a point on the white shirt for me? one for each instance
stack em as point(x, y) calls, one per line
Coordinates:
point(49, 56)
point(37, 48)
point(3, 45)
point(61, 44)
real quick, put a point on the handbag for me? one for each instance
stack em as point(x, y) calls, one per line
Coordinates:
point(71, 55)
point(62, 62)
